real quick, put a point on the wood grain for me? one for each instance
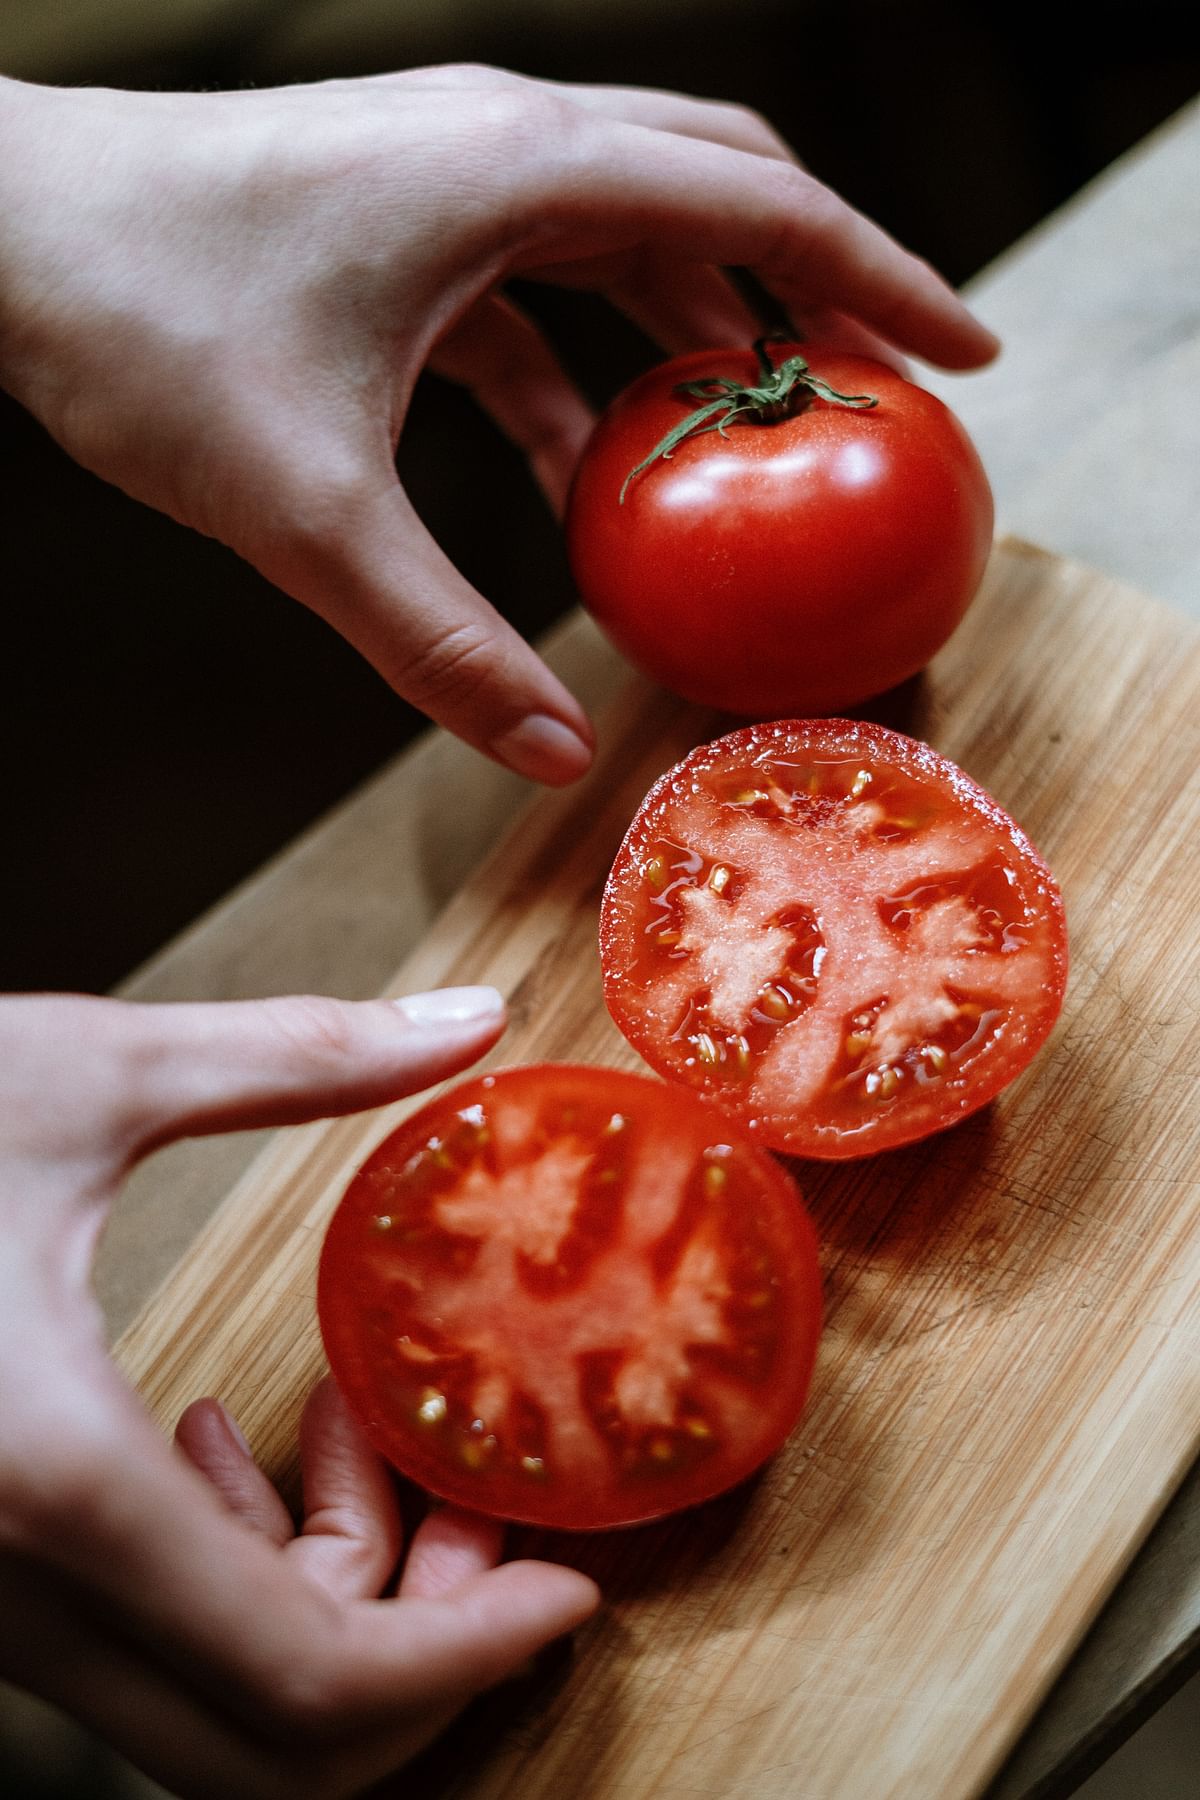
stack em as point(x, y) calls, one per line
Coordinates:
point(1008, 1388)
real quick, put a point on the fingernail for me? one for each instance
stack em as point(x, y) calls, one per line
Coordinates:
point(234, 1429)
point(453, 1006)
point(544, 749)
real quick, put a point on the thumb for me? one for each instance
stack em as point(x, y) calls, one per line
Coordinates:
point(371, 569)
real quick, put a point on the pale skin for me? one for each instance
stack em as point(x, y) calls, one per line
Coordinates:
point(164, 1596)
point(220, 303)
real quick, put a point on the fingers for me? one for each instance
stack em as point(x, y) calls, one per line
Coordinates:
point(449, 1547)
point(342, 1714)
point(506, 363)
point(350, 1542)
point(207, 1435)
point(84, 1080)
point(838, 331)
point(699, 201)
point(459, 1625)
point(490, 1624)
point(351, 1537)
point(383, 583)
point(502, 358)
point(229, 1652)
point(188, 1070)
point(680, 305)
point(194, 1592)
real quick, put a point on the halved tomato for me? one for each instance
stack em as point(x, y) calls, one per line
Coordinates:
point(833, 933)
point(573, 1297)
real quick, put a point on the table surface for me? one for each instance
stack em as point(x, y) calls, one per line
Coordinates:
point(1091, 453)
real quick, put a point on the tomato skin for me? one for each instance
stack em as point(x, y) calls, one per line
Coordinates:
point(654, 1354)
point(781, 570)
point(833, 933)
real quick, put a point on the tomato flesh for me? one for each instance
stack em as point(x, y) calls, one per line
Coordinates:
point(834, 933)
point(572, 1297)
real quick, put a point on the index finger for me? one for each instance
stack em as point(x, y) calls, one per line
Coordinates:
point(632, 187)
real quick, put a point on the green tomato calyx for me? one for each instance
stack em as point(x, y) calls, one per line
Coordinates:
point(778, 394)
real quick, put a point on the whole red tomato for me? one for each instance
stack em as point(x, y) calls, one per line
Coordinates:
point(795, 551)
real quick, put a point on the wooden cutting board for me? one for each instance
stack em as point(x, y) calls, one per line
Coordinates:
point(1008, 1387)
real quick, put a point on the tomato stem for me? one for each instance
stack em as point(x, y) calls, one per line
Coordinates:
point(766, 366)
point(780, 393)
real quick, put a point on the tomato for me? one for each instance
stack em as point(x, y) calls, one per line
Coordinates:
point(785, 568)
point(833, 933)
point(573, 1297)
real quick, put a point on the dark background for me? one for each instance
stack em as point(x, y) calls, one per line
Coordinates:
point(167, 720)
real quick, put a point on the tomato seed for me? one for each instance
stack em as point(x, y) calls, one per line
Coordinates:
point(775, 1004)
point(432, 1409)
point(655, 872)
point(720, 878)
point(477, 1452)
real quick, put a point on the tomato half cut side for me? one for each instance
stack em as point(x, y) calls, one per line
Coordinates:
point(572, 1297)
point(833, 933)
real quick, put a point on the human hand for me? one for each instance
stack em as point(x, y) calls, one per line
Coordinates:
point(221, 302)
point(166, 1600)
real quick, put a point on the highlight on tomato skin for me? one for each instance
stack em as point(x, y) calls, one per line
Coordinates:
point(795, 557)
point(834, 934)
point(572, 1297)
